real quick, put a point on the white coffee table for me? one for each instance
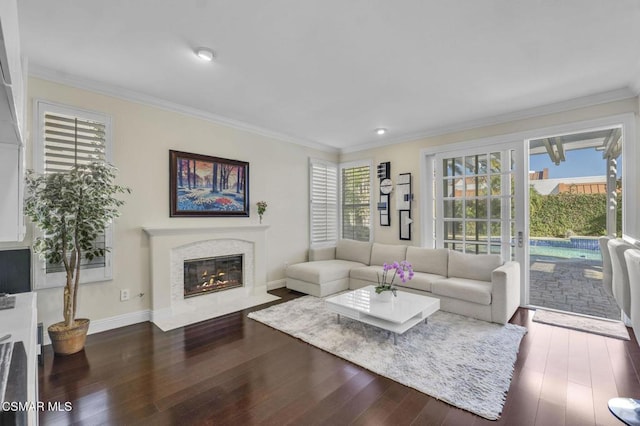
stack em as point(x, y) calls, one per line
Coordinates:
point(397, 316)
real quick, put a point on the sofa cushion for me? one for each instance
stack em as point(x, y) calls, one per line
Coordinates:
point(355, 251)
point(472, 266)
point(321, 271)
point(464, 289)
point(421, 281)
point(322, 253)
point(367, 273)
point(432, 261)
point(387, 253)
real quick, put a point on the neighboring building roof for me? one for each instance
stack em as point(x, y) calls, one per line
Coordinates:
point(586, 185)
point(536, 175)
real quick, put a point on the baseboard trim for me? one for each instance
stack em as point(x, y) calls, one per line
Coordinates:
point(272, 285)
point(105, 324)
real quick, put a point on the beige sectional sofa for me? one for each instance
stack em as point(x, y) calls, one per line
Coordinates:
point(478, 286)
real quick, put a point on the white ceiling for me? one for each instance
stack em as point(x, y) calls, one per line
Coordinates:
point(331, 71)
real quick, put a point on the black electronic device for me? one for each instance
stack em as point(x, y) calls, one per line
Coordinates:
point(15, 271)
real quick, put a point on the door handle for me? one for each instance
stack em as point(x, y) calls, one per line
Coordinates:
point(520, 238)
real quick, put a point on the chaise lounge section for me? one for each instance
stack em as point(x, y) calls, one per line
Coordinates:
point(478, 286)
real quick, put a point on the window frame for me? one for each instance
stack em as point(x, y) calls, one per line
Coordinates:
point(349, 165)
point(42, 279)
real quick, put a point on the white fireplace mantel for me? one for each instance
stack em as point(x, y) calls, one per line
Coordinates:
point(170, 244)
point(183, 230)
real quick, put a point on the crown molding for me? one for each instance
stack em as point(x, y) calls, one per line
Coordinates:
point(635, 85)
point(49, 74)
point(554, 108)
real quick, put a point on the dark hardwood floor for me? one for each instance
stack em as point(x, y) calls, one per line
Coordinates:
point(236, 371)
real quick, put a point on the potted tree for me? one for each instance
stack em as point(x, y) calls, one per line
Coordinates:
point(71, 209)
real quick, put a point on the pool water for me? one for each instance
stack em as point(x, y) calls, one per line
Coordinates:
point(586, 248)
point(564, 252)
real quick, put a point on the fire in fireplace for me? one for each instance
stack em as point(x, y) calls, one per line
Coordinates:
point(212, 274)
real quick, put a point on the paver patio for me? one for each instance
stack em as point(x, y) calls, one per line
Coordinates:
point(573, 285)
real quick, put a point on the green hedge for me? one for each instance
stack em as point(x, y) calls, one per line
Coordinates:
point(563, 215)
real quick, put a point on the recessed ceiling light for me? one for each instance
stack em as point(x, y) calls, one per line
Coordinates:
point(204, 53)
point(381, 131)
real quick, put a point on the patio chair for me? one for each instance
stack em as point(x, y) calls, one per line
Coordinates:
point(632, 258)
point(606, 264)
point(620, 275)
point(628, 409)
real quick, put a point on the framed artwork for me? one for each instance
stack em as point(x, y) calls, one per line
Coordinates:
point(403, 203)
point(386, 186)
point(383, 208)
point(204, 186)
point(405, 224)
point(403, 192)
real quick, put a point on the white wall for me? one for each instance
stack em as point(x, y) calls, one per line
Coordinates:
point(405, 157)
point(143, 136)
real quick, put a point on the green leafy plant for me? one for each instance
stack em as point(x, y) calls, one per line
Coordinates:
point(72, 209)
point(559, 215)
point(262, 207)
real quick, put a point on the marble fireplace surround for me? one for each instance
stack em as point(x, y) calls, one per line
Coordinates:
point(170, 246)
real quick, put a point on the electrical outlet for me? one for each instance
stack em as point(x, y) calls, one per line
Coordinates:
point(124, 294)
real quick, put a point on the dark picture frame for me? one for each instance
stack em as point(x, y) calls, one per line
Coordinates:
point(206, 186)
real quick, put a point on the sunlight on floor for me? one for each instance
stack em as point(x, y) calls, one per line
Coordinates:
point(593, 274)
point(543, 267)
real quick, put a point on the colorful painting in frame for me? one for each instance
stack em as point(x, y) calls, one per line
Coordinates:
point(205, 186)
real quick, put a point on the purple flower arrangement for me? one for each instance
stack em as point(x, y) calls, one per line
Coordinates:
point(402, 270)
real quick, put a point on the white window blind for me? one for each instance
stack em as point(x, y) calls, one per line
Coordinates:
point(356, 202)
point(324, 202)
point(71, 140)
point(67, 136)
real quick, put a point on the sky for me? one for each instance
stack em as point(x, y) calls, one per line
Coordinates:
point(578, 163)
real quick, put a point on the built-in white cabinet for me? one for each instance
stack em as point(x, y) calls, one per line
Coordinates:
point(21, 327)
point(12, 106)
point(11, 192)
point(12, 125)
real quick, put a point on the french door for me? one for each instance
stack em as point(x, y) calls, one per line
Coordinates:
point(479, 200)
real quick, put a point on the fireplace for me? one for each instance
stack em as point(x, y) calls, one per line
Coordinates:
point(211, 274)
point(171, 247)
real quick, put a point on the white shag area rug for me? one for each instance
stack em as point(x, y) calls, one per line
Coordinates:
point(465, 362)
point(603, 327)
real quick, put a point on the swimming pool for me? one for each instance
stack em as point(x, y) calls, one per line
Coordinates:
point(570, 248)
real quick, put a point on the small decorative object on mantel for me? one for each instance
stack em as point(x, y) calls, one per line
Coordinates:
point(402, 270)
point(262, 207)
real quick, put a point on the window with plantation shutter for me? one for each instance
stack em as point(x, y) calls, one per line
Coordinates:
point(324, 202)
point(355, 185)
point(67, 136)
point(70, 140)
